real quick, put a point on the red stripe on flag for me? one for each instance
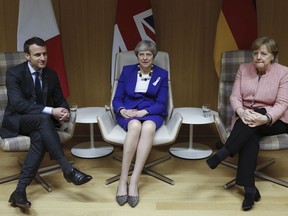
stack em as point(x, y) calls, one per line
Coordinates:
point(242, 19)
point(126, 9)
point(133, 22)
point(56, 62)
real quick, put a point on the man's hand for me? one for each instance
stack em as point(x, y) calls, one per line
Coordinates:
point(60, 114)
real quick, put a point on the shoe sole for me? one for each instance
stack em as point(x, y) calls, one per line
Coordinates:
point(256, 199)
point(13, 204)
point(69, 181)
point(84, 182)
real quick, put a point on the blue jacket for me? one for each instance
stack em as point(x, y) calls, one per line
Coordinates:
point(154, 100)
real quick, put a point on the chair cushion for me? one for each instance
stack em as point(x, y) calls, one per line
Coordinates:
point(19, 143)
point(275, 142)
point(117, 136)
point(22, 143)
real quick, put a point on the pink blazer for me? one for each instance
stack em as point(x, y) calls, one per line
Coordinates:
point(270, 91)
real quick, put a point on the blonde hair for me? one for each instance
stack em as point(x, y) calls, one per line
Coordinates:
point(270, 44)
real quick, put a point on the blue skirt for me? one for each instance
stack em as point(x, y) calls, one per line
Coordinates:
point(123, 122)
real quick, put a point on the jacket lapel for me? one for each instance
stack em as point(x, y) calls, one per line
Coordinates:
point(44, 86)
point(29, 83)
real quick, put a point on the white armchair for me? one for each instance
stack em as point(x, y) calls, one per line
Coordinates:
point(166, 134)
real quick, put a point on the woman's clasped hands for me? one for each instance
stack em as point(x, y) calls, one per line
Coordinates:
point(252, 118)
point(133, 113)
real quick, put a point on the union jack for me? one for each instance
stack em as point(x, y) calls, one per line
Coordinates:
point(134, 22)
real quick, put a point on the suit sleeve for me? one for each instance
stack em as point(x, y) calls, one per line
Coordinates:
point(160, 105)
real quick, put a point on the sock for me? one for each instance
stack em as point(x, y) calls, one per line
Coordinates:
point(65, 165)
point(250, 189)
point(21, 187)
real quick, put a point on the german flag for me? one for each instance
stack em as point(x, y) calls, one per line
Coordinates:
point(236, 28)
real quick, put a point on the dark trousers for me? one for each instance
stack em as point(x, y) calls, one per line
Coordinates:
point(244, 140)
point(41, 130)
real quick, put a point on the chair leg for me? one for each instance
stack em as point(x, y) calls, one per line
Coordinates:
point(43, 182)
point(156, 174)
point(39, 176)
point(258, 174)
point(271, 179)
point(145, 170)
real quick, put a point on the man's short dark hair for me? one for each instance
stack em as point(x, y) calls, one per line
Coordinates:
point(34, 40)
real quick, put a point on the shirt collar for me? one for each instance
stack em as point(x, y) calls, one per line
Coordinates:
point(32, 70)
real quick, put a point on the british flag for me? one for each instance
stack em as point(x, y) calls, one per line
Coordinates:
point(134, 22)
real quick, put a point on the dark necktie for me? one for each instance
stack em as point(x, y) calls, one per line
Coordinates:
point(38, 89)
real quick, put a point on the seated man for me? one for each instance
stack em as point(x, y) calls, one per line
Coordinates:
point(35, 112)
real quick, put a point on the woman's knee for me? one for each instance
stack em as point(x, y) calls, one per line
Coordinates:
point(134, 125)
point(148, 127)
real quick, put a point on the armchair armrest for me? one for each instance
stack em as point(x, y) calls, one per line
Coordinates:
point(174, 124)
point(106, 123)
point(66, 131)
point(222, 131)
point(111, 132)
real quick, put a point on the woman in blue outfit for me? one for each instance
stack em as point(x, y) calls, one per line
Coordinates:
point(140, 104)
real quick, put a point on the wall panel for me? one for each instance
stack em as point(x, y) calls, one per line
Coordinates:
point(184, 28)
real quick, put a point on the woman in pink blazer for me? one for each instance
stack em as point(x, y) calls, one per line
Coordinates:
point(259, 99)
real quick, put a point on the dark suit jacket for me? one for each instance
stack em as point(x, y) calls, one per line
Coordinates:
point(21, 96)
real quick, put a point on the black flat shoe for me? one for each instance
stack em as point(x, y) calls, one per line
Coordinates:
point(77, 177)
point(19, 198)
point(213, 161)
point(249, 199)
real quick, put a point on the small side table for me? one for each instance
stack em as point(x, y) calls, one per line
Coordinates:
point(88, 115)
point(192, 116)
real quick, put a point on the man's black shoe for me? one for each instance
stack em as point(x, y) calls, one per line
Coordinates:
point(77, 177)
point(249, 199)
point(19, 198)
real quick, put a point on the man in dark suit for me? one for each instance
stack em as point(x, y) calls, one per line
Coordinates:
point(35, 112)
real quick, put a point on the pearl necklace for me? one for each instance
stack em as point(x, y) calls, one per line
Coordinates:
point(145, 78)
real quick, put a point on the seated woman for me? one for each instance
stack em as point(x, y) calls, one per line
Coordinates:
point(140, 106)
point(260, 100)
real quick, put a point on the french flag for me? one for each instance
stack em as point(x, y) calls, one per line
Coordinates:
point(37, 18)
